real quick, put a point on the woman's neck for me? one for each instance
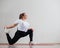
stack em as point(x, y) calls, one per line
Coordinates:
point(23, 19)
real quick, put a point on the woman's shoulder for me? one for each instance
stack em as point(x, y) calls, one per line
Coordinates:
point(18, 20)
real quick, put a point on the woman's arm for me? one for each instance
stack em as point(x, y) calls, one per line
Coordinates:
point(11, 26)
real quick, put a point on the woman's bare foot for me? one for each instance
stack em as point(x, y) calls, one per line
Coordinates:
point(30, 43)
point(6, 30)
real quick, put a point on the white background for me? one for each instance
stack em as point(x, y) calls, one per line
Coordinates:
point(43, 15)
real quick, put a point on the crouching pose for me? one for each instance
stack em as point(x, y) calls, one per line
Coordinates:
point(23, 29)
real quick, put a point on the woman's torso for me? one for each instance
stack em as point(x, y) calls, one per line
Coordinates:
point(23, 25)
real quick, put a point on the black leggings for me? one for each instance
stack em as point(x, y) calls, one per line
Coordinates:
point(18, 35)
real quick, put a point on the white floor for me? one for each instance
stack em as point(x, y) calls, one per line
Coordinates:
point(29, 46)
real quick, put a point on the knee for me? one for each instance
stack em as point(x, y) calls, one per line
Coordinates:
point(11, 43)
point(31, 30)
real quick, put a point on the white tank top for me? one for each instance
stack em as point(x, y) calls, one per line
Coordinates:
point(22, 25)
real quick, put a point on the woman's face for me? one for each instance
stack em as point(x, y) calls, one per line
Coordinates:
point(25, 17)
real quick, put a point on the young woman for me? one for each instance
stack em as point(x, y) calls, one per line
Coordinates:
point(22, 29)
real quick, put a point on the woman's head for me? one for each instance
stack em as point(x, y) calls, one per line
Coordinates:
point(23, 16)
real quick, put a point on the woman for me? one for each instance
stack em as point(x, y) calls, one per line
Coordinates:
point(22, 29)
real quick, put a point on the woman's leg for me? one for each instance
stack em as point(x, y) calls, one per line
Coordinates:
point(8, 38)
point(30, 33)
point(18, 35)
point(15, 38)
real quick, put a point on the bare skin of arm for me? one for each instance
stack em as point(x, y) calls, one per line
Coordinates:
point(11, 26)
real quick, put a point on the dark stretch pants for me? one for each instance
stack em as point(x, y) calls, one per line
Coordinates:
point(18, 35)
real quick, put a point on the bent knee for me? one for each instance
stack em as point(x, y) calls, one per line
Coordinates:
point(31, 30)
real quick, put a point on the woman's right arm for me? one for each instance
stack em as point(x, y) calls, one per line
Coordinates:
point(11, 26)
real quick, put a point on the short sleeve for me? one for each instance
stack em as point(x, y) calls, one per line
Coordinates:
point(17, 21)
